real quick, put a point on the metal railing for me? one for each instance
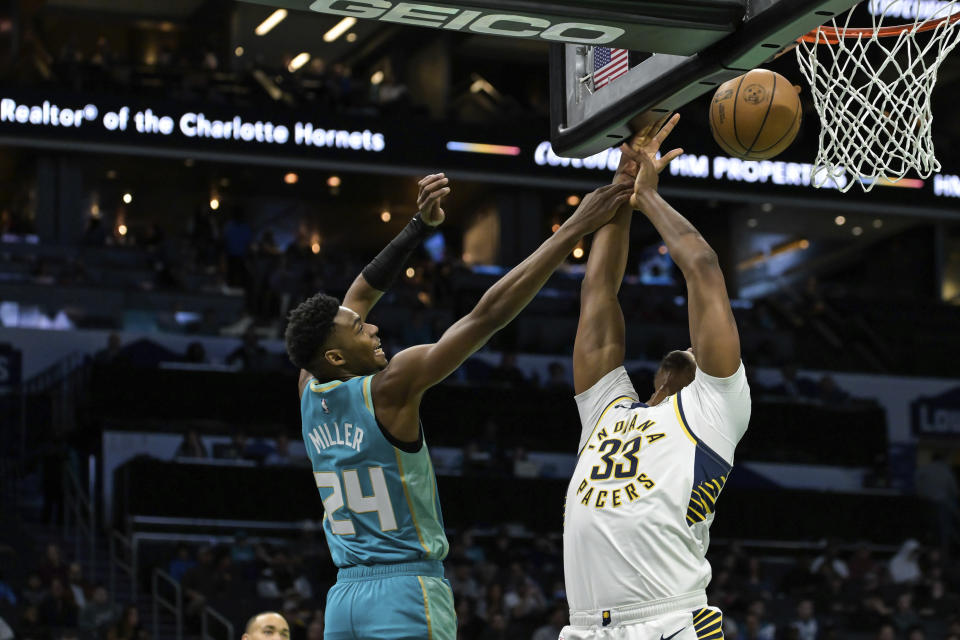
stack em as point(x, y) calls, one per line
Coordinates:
point(78, 513)
point(123, 557)
point(226, 624)
point(174, 607)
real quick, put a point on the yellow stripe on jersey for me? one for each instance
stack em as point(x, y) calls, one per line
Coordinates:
point(368, 396)
point(708, 624)
point(406, 492)
point(426, 607)
point(703, 499)
point(683, 423)
point(321, 388)
point(600, 419)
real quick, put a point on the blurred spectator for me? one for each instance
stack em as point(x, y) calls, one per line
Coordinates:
point(53, 565)
point(237, 237)
point(315, 628)
point(507, 373)
point(78, 586)
point(98, 615)
point(903, 567)
point(6, 591)
point(34, 593)
point(196, 353)
point(236, 449)
point(831, 558)
point(242, 552)
point(805, 624)
point(181, 563)
point(469, 625)
point(558, 381)
point(462, 581)
point(113, 353)
point(904, 615)
point(886, 632)
point(58, 610)
point(862, 562)
point(936, 482)
point(6, 631)
point(128, 626)
point(252, 356)
point(95, 234)
point(557, 621)
point(199, 580)
point(830, 393)
point(756, 626)
point(281, 451)
point(191, 446)
point(30, 625)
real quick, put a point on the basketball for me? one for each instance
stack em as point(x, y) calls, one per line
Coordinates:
point(755, 116)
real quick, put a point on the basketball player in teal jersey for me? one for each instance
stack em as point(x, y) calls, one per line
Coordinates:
point(361, 427)
point(644, 490)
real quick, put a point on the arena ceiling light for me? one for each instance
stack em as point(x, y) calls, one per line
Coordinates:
point(339, 29)
point(298, 61)
point(272, 20)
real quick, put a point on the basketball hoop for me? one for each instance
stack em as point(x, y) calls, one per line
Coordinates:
point(871, 87)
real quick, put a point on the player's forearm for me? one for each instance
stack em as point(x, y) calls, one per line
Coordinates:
point(361, 297)
point(608, 255)
point(688, 249)
point(385, 268)
point(505, 299)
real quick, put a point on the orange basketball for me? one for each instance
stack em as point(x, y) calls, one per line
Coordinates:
point(755, 116)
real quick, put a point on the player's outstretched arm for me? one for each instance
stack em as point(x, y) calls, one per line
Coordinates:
point(383, 271)
point(713, 330)
point(398, 388)
point(378, 276)
point(600, 344)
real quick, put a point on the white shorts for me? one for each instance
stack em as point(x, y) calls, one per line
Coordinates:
point(702, 624)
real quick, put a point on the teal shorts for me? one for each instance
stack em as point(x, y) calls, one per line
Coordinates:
point(406, 601)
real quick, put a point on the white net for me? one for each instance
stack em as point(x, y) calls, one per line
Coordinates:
point(871, 87)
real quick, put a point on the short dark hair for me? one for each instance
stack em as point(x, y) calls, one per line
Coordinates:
point(675, 362)
point(246, 628)
point(309, 326)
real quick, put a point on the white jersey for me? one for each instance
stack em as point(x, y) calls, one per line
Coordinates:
point(641, 500)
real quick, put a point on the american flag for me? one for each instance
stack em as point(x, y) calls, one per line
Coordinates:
point(608, 65)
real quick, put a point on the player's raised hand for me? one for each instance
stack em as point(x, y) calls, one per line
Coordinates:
point(649, 165)
point(432, 189)
point(598, 207)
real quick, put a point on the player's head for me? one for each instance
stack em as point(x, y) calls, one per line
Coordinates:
point(331, 341)
point(676, 371)
point(268, 625)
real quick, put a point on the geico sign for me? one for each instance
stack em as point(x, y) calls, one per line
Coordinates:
point(454, 19)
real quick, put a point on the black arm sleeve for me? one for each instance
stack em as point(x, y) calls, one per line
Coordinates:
point(384, 270)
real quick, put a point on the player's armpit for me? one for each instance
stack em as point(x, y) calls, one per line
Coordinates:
point(713, 329)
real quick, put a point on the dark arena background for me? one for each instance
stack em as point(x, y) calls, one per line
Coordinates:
point(176, 176)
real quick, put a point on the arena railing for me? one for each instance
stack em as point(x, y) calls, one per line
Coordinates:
point(174, 607)
point(209, 612)
point(79, 516)
point(123, 557)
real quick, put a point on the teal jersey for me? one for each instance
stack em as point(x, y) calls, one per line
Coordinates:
point(380, 502)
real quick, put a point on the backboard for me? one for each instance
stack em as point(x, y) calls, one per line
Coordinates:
point(586, 118)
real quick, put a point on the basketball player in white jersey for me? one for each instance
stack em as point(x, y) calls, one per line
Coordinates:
point(642, 497)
